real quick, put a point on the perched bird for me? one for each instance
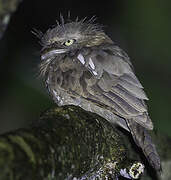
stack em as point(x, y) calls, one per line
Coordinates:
point(82, 66)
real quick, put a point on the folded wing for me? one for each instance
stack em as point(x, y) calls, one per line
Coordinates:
point(114, 85)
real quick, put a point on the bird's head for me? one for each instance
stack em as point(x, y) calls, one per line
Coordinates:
point(69, 38)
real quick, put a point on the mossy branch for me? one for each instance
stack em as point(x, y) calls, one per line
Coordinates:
point(66, 143)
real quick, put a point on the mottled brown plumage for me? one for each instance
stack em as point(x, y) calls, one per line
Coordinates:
point(82, 66)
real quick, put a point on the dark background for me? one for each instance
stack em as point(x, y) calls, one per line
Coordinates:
point(141, 28)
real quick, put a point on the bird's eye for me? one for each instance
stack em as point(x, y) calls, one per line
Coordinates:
point(69, 42)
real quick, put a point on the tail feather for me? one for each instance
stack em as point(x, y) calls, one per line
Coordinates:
point(144, 141)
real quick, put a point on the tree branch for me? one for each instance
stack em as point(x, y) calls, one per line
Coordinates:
point(66, 142)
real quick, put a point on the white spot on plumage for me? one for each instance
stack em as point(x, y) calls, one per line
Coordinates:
point(55, 92)
point(56, 95)
point(58, 98)
point(91, 64)
point(95, 73)
point(47, 81)
point(81, 58)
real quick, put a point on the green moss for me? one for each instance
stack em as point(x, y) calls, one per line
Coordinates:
point(23, 145)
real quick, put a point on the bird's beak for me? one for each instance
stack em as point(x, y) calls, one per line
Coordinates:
point(52, 53)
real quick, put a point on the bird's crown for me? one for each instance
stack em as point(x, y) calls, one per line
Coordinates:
point(79, 32)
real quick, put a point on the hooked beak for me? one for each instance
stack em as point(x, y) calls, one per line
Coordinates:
point(52, 53)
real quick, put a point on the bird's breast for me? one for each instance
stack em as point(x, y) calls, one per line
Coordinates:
point(65, 76)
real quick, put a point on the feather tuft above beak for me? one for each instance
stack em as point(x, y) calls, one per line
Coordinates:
point(52, 53)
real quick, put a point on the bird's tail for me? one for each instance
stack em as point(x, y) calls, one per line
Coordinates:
point(143, 140)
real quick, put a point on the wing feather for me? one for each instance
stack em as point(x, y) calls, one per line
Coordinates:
point(117, 108)
point(106, 100)
point(123, 104)
point(116, 86)
point(136, 103)
point(132, 79)
point(133, 89)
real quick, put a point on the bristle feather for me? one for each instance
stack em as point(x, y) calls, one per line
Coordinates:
point(37, 33)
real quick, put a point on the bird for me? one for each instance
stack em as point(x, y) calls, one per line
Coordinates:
point(82, 66)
